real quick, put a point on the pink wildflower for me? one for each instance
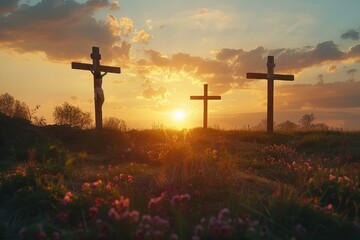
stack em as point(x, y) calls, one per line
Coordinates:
point(134, 216)
point(331, 177)
point(93, 212)
point(98, 201)
point(113, 214)
point(86, 186)
point(68, 197)
point(130, 179)
point(329, 207)
point(121, 175)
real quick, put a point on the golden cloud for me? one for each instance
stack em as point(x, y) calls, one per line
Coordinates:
point(142, 36)
point(126, 24)
point(63, 30)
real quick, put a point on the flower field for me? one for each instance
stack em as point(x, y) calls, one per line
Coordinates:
point(193, 184)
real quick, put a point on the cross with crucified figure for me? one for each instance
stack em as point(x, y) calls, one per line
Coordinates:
point(206, 97)
point(270, 76)
point(96, 70)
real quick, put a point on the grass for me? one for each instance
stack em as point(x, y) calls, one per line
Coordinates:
point(193, 184)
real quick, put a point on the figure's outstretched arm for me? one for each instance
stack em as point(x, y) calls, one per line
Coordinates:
point(103, 74)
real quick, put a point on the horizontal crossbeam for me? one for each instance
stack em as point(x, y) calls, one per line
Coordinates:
point(284, 77)
point(208, 97)
point(86, 66)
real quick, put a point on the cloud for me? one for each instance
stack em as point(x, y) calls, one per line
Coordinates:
point(121, 53)
point(211, 71)
point(73, 98)
point(149, 24)
point(339, 95)
point(332, 69)
point(142, 36)
point(152, 93)
point(63, 30)
point(7, 6)
point(227, 69)
point(126, 24)
point(351, 34)
point(114, 5)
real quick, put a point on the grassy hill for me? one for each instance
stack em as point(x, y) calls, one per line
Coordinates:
point(58, 182)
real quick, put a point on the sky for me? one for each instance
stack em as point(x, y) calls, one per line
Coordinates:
point(168, 50)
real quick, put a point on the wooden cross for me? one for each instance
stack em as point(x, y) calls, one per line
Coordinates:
point(205, 98)
point(96, 70)
point(270, 76)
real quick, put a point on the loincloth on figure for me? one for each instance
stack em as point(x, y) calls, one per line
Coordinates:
point(99, 95)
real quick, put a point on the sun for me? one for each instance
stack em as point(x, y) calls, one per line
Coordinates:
point(179, 115)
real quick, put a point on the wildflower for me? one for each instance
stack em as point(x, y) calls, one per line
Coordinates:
point(155, 204)
point(56, 236)
point(305, 200)
point(98, 201)
point(113, 214)
point(122, 204)
point(184, 198)
point(340, 179)
point(121, 176)
point(198, 230)
point(68, 197)
point(80, 225)
point(41, 234)
point(331, 177)
point(86, 186)
point(311, 180)
point(175, 200)
point(134, 216)
point(224, 214)
point(130, 179)
point(93, 212)
point(146, 219)
point(329, 207)
point(174, 237)
point(63, 217)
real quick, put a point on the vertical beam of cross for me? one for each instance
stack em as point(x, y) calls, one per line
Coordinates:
point(205, 97)
point(96, 70)
point(270, 76)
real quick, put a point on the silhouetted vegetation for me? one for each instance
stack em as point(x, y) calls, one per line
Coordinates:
point(114, 123)
point(72, 115)
point(70, 183)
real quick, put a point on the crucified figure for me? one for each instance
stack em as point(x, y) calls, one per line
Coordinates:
point(96, 69)
point(98, 91)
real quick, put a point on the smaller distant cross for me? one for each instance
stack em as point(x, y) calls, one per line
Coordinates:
point(206, 97)
point(270, 76)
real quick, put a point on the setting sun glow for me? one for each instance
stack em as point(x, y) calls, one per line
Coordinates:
point(179, 115)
